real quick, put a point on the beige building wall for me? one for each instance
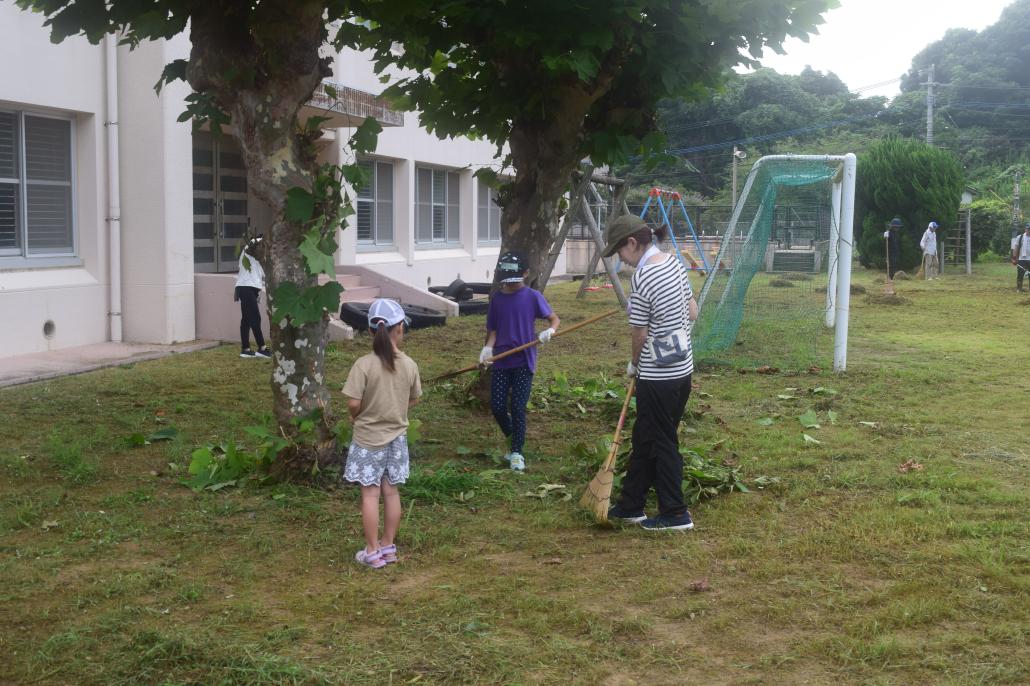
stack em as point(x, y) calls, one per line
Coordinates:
point(156, 197)
point(54, 303)
point(64, 297)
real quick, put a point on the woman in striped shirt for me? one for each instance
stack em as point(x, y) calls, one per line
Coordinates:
point(661, 310)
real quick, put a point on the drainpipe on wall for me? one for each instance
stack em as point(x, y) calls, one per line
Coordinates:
point(114, 210)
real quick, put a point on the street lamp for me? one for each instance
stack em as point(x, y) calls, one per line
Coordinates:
point(737, 155)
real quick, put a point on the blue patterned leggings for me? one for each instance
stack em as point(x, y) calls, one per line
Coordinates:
point(518, 383)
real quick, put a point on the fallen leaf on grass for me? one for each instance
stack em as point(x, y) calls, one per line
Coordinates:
point(809, 439)
point(544, 490)
point(809, 420)
point(814, 370)
point(785, 396)
point(763, 481)
point(764, 421)
point(49, 524)
point(871, 425)
point(702, 394)
point(909, 466)
point(766, 369)
point(821, 390)
point(832, 416)
point(700, 586)
point(553, 561)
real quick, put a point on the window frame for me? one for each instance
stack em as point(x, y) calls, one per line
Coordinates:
point(493, 210)
point(22, 255)
point(451, 235)
point(377, 208)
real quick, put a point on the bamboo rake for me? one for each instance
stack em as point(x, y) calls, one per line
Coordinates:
point(598, 495)
point(535, 341)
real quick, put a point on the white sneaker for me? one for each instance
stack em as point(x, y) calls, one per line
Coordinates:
point(518, 463)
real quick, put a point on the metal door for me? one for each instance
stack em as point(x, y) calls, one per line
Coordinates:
point(219, 203)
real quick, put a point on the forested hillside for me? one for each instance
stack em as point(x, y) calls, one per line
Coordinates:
point(982, 115)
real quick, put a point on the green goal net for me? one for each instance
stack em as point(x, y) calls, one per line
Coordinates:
point(767, 298)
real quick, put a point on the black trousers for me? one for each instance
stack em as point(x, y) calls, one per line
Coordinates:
point(1022, 267)
point(251, 319)
point(656, 461)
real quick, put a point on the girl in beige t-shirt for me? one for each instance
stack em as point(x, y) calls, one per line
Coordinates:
point(380, 388)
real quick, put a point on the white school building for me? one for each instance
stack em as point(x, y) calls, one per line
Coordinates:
point(117, 222)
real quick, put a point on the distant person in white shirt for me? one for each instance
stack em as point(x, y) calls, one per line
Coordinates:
point(929, 245)
point(1021, 255)
point(250, 281)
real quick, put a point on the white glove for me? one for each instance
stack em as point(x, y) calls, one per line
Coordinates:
point(545, 335)
point(631, 370)
point(886, 234)
point(485, 354)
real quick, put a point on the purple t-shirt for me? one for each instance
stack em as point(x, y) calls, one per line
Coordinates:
point(512, 316)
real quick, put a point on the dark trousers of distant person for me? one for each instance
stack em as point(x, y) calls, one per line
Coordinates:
point(251, 316)
point(656, 460)
point(1022, 266)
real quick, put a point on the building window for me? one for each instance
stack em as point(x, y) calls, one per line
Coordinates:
point(375, 204)
point(489, 215)
point(436, 206)
point(35, 186)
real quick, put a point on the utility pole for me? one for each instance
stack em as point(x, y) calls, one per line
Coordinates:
point(1016, 213)
point(929, 105)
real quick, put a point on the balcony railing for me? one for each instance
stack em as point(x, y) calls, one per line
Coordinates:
point(354, 104)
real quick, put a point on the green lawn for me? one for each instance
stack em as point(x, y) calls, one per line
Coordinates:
point(839, 569)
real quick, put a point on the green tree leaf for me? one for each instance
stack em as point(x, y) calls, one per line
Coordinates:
point(316, 261)
point(300, 205)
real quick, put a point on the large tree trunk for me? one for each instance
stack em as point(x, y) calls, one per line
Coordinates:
point(544, 154)
point(278, 157)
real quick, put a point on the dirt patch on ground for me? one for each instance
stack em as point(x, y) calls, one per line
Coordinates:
point(885, 299)
point(781, 283)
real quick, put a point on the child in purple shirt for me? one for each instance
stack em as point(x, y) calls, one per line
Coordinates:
point(509, 324)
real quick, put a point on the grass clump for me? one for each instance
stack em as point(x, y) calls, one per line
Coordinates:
point(67, 455)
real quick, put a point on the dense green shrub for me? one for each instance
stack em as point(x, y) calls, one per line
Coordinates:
point(903, 177)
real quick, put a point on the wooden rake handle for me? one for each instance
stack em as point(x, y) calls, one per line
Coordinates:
point(525, 346)
point(609, 461)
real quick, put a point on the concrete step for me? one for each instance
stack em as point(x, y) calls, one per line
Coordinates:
point(359, 294)
point(348, 280)
point(338, 331)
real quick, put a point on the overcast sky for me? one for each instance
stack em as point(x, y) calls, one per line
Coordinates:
point(869, 41)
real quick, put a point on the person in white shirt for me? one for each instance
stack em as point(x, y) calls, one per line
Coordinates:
point(1021, 255)
point(250, 281)
point(929, 245)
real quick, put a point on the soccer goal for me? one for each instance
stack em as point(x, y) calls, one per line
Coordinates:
point(778, 289)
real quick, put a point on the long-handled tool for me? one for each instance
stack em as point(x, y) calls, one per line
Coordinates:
point(888, 289)
point(506, 353)
point(597, 498)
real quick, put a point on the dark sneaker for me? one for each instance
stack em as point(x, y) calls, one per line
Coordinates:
point(265, 353)
point(669, 523)
point(248, 354)
point(633, 516)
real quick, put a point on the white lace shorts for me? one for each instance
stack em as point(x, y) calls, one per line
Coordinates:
point(367, 466)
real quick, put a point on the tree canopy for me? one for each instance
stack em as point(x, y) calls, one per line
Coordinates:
point(558, 82)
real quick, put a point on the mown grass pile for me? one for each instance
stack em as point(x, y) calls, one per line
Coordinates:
point(891, 545)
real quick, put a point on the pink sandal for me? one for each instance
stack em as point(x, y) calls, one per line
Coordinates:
point(389, 553)
point(374, 560)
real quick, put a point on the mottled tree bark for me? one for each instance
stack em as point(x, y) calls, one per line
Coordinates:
point(264, 107)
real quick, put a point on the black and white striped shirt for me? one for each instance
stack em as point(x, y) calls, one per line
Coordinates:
point(659, 301)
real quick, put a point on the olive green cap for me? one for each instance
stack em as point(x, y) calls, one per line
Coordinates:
point(621, 228)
